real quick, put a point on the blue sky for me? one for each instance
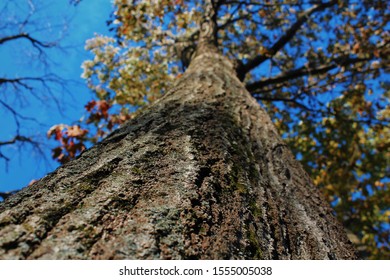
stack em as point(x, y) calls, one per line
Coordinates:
point(82, 21)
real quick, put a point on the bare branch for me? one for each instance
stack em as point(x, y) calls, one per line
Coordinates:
point(232, 20)
point(17, 138)
point(17, 81)
point(25, 27)
point(304, 71)
point(283, 99)
point(35, 42)
point(326, 112)
point(75, 2)
point(46, 81)
point(252, 3)
point(5, 158)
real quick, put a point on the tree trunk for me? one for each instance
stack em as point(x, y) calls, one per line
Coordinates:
point(200, 174)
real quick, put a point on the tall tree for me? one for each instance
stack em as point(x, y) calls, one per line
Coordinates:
point(199, 174)
point(318, 67)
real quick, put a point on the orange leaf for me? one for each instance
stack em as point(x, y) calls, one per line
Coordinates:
point(103, 107)
point(76, 131)
point(356, 48)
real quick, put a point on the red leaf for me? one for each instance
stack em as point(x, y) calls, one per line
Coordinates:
point(103, 107)
point(58, 134)
point(90, 105)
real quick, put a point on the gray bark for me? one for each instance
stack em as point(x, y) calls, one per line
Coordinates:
point(200, 174)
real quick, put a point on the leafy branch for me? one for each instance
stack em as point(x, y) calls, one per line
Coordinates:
point(290, 33)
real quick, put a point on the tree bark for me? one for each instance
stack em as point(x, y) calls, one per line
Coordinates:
point(200, 174)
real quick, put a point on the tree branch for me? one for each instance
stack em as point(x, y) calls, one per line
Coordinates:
point(328, 112)
point(231, 21)
point(18, 81)
point(303, 71)
point(17, 138)
point(44, 81)
point(35, 42)
point(256, 61)
point(254, 3)
point(288, 100)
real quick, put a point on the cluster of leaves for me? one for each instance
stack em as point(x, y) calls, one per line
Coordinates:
point(72, 141)
point(318, 67)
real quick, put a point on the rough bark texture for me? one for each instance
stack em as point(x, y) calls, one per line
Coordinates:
point(200, 174)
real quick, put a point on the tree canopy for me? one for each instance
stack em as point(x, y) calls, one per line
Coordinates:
point(318, 67)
